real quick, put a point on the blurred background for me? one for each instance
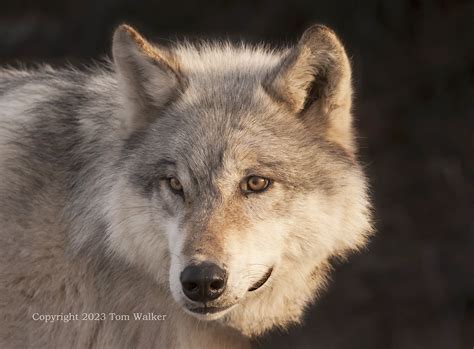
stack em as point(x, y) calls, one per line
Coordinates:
point(413, 64)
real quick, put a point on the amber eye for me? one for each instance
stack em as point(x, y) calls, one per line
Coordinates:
point(255, 184)
point(175, 184)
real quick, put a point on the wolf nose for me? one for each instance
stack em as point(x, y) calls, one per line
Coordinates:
point(203, 282)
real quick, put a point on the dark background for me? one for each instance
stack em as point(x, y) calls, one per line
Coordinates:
point(414, 78)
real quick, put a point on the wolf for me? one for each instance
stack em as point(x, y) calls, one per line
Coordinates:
point(208, 184)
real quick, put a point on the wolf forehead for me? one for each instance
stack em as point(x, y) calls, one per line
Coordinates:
point(222, 82)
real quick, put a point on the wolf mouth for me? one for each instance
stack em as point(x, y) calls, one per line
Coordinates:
point(262, 281)
point(209, 310)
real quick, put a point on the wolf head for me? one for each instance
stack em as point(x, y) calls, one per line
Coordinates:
point(238, 179)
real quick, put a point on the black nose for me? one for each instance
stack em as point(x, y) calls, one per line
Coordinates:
point(203, 282)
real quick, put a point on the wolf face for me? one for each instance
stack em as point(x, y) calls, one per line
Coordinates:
point(238, 178)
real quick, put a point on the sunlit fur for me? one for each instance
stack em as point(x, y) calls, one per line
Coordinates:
point(89, 223)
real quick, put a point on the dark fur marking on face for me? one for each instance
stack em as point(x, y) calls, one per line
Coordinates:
point(146, 176)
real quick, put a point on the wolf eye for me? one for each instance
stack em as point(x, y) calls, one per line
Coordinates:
point(255, 184)
point(175, 185)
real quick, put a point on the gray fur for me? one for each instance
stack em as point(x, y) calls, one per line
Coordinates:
point(89, 225)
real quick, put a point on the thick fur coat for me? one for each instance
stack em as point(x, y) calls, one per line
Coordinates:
point(115, 179)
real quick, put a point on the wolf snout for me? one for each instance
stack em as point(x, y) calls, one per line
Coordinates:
point(203, 282)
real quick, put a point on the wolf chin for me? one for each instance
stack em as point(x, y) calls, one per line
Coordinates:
point(209, 182)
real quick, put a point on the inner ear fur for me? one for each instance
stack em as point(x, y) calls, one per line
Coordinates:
point(314, 81)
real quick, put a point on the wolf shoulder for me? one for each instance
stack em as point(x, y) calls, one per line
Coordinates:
point(52, 123)
point(61, 108)
point(45, 93)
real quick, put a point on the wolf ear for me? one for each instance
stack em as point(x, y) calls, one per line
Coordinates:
point(314, 81)
point(149, 75)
